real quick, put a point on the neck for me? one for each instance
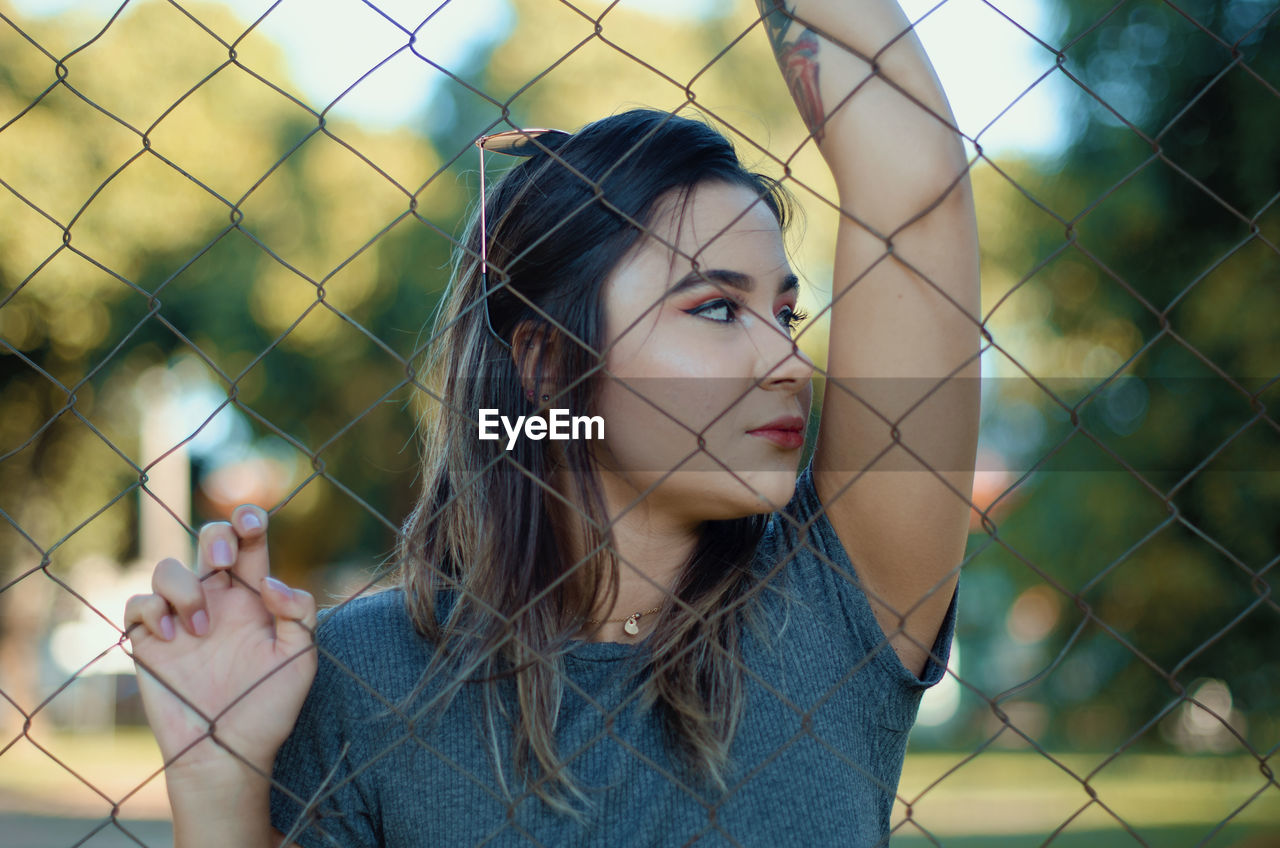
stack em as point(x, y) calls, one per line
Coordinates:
point(652, 546)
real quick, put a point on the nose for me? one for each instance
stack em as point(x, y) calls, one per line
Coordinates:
point(780, 363)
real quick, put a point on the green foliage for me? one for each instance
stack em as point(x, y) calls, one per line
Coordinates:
point(1156, 520)
point(209, 217)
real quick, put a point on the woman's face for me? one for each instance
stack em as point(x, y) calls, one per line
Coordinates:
point(687, 358)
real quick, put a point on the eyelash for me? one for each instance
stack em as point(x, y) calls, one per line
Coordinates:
point(794, 316)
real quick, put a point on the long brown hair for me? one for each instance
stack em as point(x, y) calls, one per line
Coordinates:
point(484, 531)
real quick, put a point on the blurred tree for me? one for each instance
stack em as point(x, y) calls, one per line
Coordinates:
point(162, 202)
point(1150, 251)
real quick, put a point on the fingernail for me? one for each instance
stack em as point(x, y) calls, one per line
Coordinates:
point(221, 553)
point(250, 521)
point(278, 587)
point(200, 622)
point(166, 628)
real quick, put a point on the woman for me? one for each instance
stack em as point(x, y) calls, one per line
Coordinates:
point(661, 636)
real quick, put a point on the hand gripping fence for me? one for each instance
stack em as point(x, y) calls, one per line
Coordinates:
point(214, 288)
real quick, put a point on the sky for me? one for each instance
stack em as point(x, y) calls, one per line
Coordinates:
point(983, 59)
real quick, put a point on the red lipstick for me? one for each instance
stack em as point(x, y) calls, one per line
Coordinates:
point(786, 432)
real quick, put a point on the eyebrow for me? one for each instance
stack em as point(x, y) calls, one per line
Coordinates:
point(733, 279)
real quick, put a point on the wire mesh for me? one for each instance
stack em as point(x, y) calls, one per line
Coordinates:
point(214, 292)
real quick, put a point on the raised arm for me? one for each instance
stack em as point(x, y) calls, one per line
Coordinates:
point(904, 332)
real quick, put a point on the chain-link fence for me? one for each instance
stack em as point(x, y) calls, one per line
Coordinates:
point(217, 266)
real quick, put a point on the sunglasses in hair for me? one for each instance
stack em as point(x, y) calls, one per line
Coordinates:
point(510, 143)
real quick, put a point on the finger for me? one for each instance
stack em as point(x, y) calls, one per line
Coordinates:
point(295, 613)
point(181, 589)
point(216, 551)
point(250, 525)
point(150, 613)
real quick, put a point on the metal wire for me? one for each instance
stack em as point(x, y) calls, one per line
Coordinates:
point(35, 550)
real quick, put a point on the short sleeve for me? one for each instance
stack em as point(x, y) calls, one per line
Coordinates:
point(315, 797)
point(822, 569)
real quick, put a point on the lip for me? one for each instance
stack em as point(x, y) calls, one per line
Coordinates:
point(785, 432)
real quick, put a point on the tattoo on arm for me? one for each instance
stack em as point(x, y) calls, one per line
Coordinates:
point(798, 58)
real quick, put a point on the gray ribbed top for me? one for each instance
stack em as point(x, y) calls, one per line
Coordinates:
point(817, 755)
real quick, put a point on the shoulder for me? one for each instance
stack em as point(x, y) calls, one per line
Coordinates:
point(800, 558)
point(805, 557)
point(362, 613)
point(800, 533)
point(369, 642)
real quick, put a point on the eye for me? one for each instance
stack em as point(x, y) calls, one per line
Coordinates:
point(711, 308)
point(791, 318)
point(728, 310)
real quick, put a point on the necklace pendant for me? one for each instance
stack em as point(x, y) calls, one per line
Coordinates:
point(631, 627)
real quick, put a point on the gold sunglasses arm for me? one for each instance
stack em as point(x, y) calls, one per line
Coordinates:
point(482, 144)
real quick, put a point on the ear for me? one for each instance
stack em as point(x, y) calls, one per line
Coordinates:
point(535, 345)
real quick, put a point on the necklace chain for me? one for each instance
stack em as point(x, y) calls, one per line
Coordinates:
point(628, 618)
point(631, 627)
